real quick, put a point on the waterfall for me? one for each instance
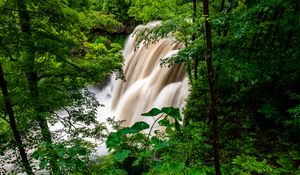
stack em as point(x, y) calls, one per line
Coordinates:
point(148, 84)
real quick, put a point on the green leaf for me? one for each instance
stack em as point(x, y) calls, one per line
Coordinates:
point(121, 155)
point(152, 112)
point(137, 127)
point(140, 126)
point(127, 130)
point(172, 112)
point(114, 139)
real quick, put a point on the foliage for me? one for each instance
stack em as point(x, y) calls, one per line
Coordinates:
point(4, 135)
point(48, 60)
point(146, 11)
point(256, 68)
point(69, 159)
point(250, 165)
point(256, 65)
point(117, 7)
point(133, 150)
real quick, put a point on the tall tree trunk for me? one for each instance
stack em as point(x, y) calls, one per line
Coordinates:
point(32, 79)
point(194, 38)
point(13, 125)
point(212, 88)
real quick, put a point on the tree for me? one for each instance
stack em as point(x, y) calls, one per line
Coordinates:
point(212, 88)
point(47, 46)
point(255, 75)
point(13, 125)
point(193, 38)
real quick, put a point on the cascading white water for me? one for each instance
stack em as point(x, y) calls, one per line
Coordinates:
point(148, 84)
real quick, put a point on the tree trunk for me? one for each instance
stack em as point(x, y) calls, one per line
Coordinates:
point(212, 89)
point(32, 79)
point(194, 38)
point(13, 125)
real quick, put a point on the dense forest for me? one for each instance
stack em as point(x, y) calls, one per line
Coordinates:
point(242, 115)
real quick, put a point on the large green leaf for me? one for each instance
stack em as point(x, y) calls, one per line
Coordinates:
point(172, 112)
point(126, 130)
point(139, 126)
point(153, 112)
